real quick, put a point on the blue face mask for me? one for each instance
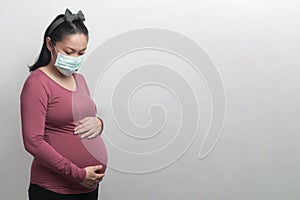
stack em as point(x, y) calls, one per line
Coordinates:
point(67, 65)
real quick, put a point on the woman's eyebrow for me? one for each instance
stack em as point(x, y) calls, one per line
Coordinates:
point(75, 49)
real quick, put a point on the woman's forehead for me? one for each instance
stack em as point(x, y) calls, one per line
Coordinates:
point(74, 40)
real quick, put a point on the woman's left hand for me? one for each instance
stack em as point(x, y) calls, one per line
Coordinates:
point(89, 127)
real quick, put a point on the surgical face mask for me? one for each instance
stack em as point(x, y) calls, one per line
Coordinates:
point(67, 65)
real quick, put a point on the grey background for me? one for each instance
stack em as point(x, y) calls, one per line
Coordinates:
point(254, 45)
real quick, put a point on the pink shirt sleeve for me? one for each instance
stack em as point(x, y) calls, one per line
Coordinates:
point(100, 118)
point(33, 103)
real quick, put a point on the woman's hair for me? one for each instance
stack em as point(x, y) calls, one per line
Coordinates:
point(57, 34)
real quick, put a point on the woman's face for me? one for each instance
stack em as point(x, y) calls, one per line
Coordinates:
point(72, 45)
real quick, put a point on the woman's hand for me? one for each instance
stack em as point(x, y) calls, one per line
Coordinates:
point(89, 127)
point(92, 178)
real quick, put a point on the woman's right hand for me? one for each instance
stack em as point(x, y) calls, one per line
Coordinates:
point(92, 178)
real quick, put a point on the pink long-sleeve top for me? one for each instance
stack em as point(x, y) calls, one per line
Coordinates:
point(49, 114)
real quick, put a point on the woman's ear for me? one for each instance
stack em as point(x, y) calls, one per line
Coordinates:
point(49, 44)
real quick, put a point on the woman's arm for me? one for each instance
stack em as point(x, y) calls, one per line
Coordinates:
point(33, 103)
point(89, 127)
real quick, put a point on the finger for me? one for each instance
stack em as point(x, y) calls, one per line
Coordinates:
point(97, 168)
point(95, 134)
point(86, 134)
point(84, 120)
point(84, 128)
point(81, 128)
point(100, 176)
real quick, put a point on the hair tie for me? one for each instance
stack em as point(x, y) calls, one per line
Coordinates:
point(68, 17)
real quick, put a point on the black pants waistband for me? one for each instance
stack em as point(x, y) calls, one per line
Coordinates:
point(35, 192)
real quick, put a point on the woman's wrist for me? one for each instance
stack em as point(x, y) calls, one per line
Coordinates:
point(100, 121)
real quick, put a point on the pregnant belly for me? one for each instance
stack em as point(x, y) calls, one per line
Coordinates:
point(82, 152)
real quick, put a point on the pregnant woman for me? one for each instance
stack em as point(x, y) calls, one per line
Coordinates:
point(59, 123)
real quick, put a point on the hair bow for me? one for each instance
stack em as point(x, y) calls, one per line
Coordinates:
point(69, 17)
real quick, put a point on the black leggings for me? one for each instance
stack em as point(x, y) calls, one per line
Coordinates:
point(36, 192)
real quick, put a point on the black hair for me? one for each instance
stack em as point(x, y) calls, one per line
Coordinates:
point(58, 34)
